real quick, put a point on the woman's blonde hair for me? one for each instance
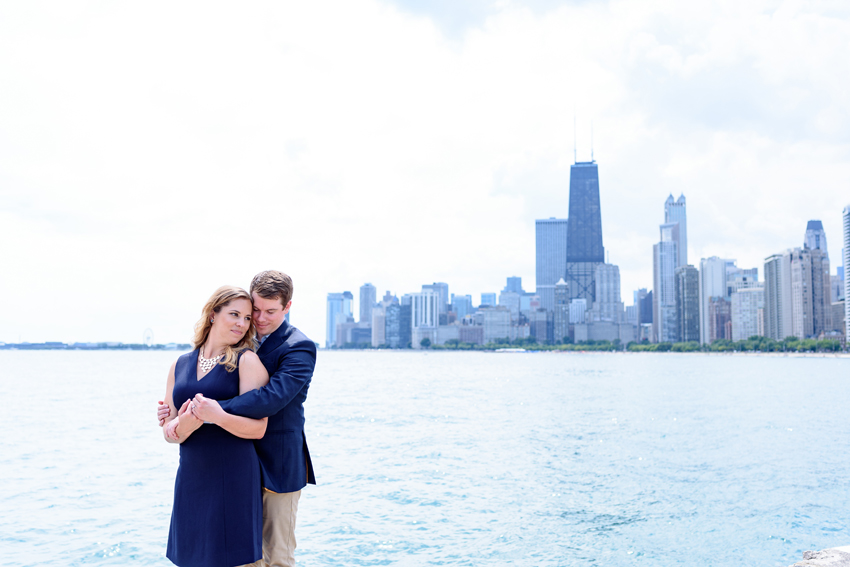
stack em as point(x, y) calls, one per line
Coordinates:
point(221, 298)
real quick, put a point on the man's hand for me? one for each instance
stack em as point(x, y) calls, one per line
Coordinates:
point(190, 421)
point(171, 429)
point(185, 420)
point(206, 409)
point(163, 410)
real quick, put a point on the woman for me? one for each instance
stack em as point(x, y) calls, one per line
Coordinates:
point(217, 518)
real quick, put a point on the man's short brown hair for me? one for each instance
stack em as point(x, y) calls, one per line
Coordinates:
point(272, 284)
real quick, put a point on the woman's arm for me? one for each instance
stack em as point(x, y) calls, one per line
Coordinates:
point(252, 376)
point(178, 428)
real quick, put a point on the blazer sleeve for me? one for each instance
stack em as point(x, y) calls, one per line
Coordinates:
point(293, 371)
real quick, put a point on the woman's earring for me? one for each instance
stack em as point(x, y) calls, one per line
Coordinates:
point(212, 319)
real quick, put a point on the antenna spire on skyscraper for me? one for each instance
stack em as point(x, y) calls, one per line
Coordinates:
point(575, 144)
point(591, 140)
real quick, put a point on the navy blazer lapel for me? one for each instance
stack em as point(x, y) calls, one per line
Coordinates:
point(274, 340)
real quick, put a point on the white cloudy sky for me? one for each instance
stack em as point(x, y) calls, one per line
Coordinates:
point(152, 151)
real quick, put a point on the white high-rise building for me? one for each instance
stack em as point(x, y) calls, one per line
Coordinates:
point(425, 309)
point(675, 211)
point(424, 316)
point(379, 325)
point(846, 259)
point(442, 290)
point(777, 296)
point(747, 303)
point(578, 309)
point(608, 306)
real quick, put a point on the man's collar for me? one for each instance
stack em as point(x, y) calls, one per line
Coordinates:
point(276, 335)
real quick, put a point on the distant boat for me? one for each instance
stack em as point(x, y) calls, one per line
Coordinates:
point(511, 350)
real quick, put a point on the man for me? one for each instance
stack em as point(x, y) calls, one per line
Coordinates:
point(290, 357)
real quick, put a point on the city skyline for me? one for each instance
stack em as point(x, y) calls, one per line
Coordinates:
point(115, 185)
point(719, 300)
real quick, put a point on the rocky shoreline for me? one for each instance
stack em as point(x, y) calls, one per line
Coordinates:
point(833, 557)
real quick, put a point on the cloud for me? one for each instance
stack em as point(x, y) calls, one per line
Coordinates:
point(150, 153)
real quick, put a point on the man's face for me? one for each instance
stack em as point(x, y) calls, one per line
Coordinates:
point(268, 314)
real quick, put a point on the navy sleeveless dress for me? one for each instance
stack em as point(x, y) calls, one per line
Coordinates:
point(217, 518)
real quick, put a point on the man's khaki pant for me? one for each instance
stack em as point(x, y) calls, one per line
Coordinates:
point(279, 512)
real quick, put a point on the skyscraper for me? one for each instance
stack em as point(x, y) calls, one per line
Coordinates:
point(665, 256)
point(801, 293)
point(514, 284)
point(368, 298)
point(488, 299)
point(425, 316)
point(441, 289)
point(461, 305)
point(815, 242)
point(719, 318)
point(405, 325)
point(747, 304)
point(815, 238)
point(821, 293)
point(811, 310)
point(846, 264)
point(687, 303)
point(584, 233)
point(379, 320)
point(339, 311)
point(561, 319)
point(392, 326)
point(551, 254)
point(608, 305)
point(797, 297)
point(712, 283)
point(777, 296)
point(643, 299)
point(674, 211)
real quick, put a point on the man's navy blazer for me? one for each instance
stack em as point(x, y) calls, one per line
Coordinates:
point(289, 356)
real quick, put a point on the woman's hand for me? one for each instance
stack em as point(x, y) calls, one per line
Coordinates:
point(163, 411)
point(206, 409)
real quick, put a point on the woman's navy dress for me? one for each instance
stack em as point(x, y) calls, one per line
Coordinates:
point(217, 518)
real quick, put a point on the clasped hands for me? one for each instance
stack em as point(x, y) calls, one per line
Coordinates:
point(193, 413)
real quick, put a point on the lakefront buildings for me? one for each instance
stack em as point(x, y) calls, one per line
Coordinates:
point(577, 295)
point(797, 290)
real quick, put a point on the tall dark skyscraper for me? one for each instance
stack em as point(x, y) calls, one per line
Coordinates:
point(584, 231)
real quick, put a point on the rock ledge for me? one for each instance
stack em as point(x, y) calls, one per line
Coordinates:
point(833, 557)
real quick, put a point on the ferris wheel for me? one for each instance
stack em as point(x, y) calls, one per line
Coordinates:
point(148, 338)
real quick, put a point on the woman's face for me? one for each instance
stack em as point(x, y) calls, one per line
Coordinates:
point(232, 321)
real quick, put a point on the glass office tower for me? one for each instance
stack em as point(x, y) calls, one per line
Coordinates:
point(584, 233)
point(551, 236)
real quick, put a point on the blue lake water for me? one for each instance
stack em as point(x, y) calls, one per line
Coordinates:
point(467, 458)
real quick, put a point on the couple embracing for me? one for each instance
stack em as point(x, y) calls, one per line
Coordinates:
point(238, 416)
